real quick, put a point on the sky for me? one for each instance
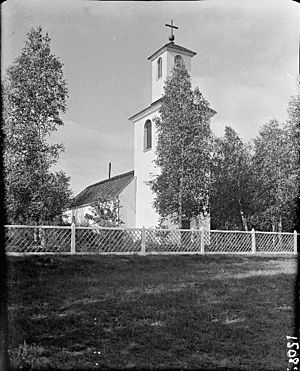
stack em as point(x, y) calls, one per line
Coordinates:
point(246, 67)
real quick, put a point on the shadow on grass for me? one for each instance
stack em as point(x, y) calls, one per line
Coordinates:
point(210, 313)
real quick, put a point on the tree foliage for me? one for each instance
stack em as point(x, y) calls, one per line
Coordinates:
point(232, 183)
point(34, 96)
point(183, 150)
point(276, 167)
point(292, 126)
point(105, 213)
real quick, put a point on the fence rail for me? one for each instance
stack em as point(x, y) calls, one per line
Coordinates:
point(99, 240)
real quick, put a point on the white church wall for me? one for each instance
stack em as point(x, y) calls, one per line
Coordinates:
point(158, 84)
point(78, 213)
point(196, 223)
point(127, 211)
point(143, 166)
point(167, 66)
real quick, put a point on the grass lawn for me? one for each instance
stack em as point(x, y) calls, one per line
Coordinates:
point(195, 312)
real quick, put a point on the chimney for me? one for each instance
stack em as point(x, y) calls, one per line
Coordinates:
point(109, 170)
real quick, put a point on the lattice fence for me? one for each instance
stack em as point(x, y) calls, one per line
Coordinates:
point(229, 241)
point(83, 240)
point(172, 241)
point(95, 240)
point(176, 241)
point(29, 239)
point(274, 242)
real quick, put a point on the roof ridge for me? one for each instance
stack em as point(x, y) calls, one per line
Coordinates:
point(112, 178)
point(108, 188)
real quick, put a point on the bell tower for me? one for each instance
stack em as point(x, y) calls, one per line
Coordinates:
point(145, 133)
point(163, 62)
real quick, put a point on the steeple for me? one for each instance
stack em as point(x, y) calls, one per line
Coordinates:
point(163, 62)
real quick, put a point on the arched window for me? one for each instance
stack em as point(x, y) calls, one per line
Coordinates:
point(148, 135)
point(159, 68)
point(178, 61)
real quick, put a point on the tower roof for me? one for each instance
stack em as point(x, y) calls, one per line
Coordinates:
point(173, 47)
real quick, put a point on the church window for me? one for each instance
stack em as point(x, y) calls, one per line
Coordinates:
point(159, 68)
point(148, 135)
point(178, 61)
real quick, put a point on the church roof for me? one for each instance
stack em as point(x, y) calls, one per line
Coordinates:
point(107, 189)
point(172, 46)
point(153, 106)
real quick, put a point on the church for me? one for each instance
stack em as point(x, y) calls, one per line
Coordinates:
point(130, 190)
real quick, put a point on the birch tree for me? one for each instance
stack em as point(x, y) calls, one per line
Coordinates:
point(275, 165)
point(232, 183)
point(34, 96)
point(183, 151)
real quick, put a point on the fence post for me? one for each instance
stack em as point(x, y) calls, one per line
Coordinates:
point(295, 242)
point(201, 240)
point(73, 238)
point(253, 244)
point(143, 250)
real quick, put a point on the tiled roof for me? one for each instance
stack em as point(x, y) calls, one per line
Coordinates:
point(172, 46)
point(108, 189)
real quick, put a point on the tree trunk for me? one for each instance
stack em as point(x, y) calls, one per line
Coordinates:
point(180, 204)
point(180, 193)
point(273, 235)
point(42, 237)
point(35, 235)
point(243, 221)
point(280, 224)
point(280, 230)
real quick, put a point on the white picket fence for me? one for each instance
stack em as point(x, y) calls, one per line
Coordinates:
point(24, 239)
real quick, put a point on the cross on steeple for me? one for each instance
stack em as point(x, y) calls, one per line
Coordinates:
point(171, 37)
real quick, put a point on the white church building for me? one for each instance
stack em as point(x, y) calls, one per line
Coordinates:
point(130, 190)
